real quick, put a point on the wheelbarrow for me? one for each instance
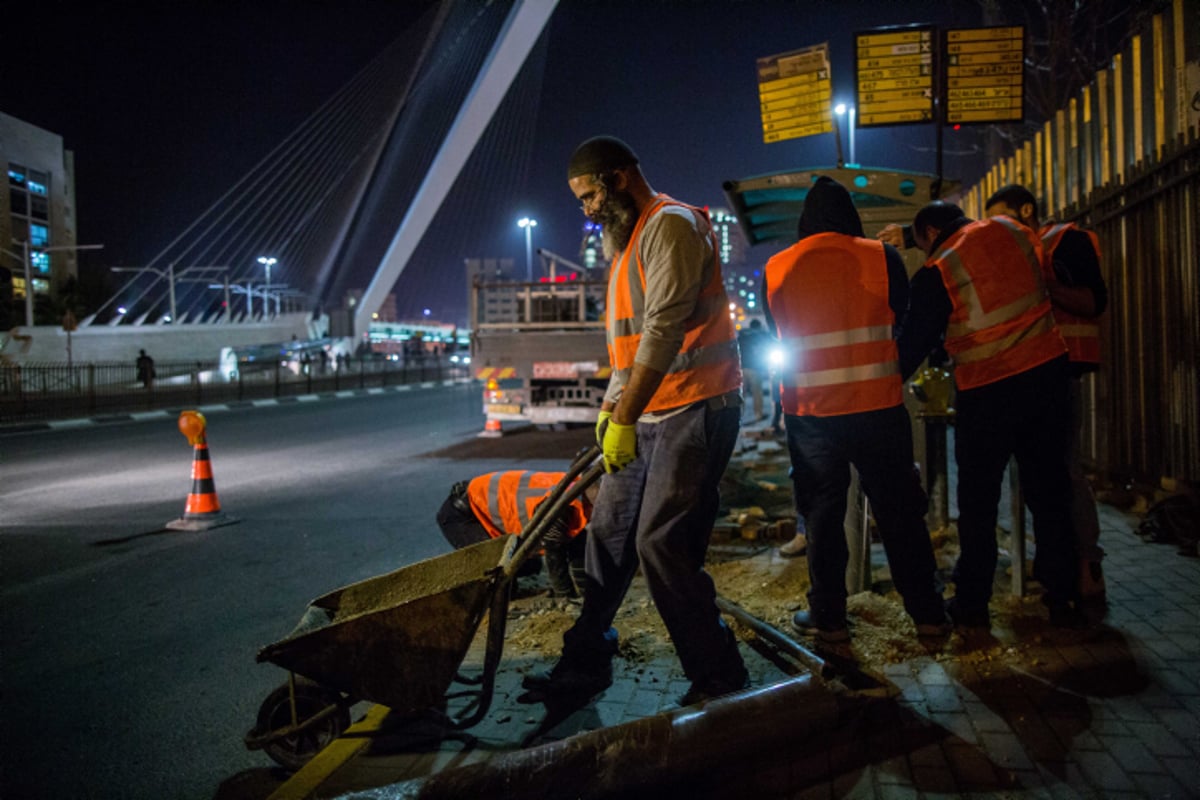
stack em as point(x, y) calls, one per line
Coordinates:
point(399, 639)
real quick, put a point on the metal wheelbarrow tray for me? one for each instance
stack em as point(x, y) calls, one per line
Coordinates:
point(399, 639)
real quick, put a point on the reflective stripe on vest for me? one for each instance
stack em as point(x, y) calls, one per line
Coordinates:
point(1000, 324)
point(504, 502)
point(707, 364)
point(828, 294)
point(1082, 334)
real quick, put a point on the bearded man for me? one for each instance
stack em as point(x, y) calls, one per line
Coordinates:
point(667, 427)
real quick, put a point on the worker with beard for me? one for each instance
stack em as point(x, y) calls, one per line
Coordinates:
point(1078, 296)
point(667, 427)
point(836, 299)
point(981, 294)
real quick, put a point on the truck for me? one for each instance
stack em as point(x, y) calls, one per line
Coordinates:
point(539, 346)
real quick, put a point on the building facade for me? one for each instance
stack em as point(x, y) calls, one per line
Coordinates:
point(37, 213)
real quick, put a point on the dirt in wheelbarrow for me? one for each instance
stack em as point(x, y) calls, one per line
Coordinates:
point(746, 566)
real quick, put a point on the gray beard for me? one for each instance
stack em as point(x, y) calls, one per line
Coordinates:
point(618, 218)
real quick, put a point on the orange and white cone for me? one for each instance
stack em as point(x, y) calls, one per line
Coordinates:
point(202, 510)
point(491, 429)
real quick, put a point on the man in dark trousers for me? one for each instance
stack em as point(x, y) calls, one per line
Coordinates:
point(982, 291)
point(668, 425)
point(754, 344)
point(145, 369)
point(1078, 296)
point(835, 298)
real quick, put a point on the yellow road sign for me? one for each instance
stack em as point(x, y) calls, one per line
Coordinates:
point(893, 76)
point(794, 91)
point(985, 80)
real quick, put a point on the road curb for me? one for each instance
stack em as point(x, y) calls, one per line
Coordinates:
point(211, 408)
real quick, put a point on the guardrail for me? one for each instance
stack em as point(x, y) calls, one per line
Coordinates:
point(41, 392)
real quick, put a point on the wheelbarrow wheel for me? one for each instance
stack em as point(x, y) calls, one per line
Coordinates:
point(295, 750)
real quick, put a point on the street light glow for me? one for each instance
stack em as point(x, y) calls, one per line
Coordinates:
point(528, 223)
point(839, 109)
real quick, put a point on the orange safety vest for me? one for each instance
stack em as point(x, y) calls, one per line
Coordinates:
point(504, 502)
point(828, 294)
point(1000, 324)
point(707, 364)
point(1081, 333)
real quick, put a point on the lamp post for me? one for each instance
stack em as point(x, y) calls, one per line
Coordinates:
point(267, 261)
point(528, 223)
point(840, 109)
point(25, 262)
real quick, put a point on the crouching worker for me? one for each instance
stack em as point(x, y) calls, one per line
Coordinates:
point(500, 503)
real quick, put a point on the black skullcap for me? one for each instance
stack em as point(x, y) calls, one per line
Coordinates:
point(598, 155)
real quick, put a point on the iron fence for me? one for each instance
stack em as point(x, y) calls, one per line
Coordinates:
point(42, 392)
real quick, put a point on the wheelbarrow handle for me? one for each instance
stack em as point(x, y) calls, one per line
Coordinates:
point(565, 492)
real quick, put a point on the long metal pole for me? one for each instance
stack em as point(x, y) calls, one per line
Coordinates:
point(28, 288)
point(529, 252)
point(171, 290)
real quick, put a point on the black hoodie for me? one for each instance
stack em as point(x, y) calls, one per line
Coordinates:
point(828, 208)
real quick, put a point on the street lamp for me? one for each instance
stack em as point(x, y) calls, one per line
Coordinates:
point(840, 109)
point(528, 223)
point(25, 260)
point(267, 261)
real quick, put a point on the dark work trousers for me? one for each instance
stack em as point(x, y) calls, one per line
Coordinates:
point(879, 445)
point(660, 509)
point(1025, 416)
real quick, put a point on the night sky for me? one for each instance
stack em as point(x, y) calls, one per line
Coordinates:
point(166, 104)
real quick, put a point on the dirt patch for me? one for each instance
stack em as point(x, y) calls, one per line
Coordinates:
point(747, 569)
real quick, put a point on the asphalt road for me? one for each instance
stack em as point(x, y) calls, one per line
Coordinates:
point(127, 652)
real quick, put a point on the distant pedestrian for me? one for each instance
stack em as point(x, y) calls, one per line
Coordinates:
point(754, 343)
point(145, 369)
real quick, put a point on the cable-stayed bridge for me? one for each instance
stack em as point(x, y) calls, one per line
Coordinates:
point(385, 173)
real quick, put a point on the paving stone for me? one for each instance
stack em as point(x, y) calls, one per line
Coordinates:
point(1131, 754)
point(1162, 786)
point(1006, 751)
point(1158, 739)
point(1104, 771)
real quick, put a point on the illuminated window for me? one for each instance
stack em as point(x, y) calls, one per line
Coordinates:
point(18, 285)
point(16, 175)
point(40, 286)
point(37, 188)
point(39, 235)
point(40, 261)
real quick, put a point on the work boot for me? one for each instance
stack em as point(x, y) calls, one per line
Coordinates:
point(967, 617)
point(571, 677)
point(831, 634)
point(798, 546)
point(933, 628)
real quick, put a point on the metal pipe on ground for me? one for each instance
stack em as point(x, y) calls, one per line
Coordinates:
point(663, 751)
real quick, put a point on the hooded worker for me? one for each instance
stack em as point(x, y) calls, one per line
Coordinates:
point(836, 298)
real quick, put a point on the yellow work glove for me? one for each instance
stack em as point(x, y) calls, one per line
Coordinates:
point(601, 424)
point(620, 446)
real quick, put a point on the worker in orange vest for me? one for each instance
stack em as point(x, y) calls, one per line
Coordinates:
point(1078, 296)
point(982, 294)
point(835, 298)
point(667, 427)
point(500, 503)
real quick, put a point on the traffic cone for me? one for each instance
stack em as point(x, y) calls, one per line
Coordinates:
point(491, 429)
point(202, 510)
